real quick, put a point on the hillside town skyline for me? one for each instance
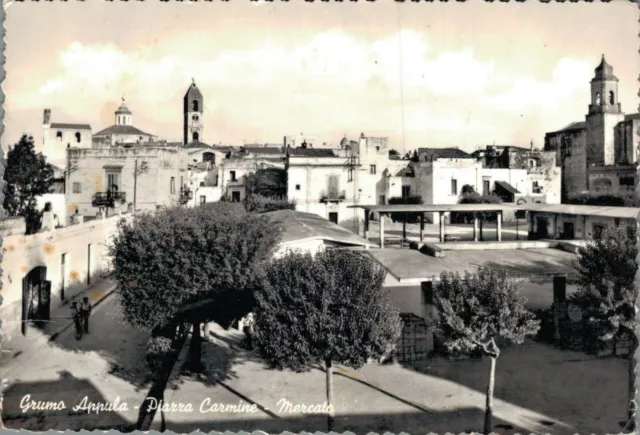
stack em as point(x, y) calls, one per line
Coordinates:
point(264, 85)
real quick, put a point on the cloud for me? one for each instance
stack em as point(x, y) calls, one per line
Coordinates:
point(329, 81)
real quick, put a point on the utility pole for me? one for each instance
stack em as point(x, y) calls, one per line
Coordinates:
point(135, 185)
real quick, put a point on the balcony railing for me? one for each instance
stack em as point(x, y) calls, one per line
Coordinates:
point(333, 195)
point(108, 199)
point(185, 196)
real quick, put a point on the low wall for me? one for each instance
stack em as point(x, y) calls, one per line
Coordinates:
point(13, 226)
point(485, 246)
point(84, 250)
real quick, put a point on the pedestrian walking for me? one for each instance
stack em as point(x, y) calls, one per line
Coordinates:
point(248, 330)
point(77, 319)
point(85, 312)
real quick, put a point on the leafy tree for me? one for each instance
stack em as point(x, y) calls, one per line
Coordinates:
point(323, 310)
point(405, 217)
point(621, 199)
point(269, 182)
point(468, 189)
point(607, 291)
point(263, 204)
point(194, 264)
point(474, 198)
point(475, 310)
point(27, 176)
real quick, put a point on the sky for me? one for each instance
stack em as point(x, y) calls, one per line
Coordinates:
point(424, 74)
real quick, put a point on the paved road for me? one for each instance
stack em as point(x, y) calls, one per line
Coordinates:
point(105, 366)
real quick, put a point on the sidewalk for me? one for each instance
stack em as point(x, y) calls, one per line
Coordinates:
point(96, 294)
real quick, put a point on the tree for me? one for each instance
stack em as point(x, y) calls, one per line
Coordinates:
point(477, 309)
point(269, 182)
point(607, 291)
point(468, 189)
point(323, 310)
point(263, 204)
point(194, 264)
point(27, 176)
point(406, 217)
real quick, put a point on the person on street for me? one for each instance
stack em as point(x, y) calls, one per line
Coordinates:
point(248, 330)
point(85, 312)
point(77, 319)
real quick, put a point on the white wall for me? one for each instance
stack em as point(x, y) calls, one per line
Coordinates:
point(23, 253)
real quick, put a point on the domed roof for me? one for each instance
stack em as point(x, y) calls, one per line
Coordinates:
point(344, 142)
point(123, 109)
point(604, 71)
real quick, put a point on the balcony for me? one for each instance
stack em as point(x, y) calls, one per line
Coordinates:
point(186, 195)
point(108, 199)
point(333, 195)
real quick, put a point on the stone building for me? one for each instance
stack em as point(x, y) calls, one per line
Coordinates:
point(58, 136)
point(140, 178)
point(326, 182)
point(122, 132)
point(600, 153)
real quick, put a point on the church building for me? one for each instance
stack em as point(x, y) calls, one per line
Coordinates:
point(122, 132)
point(598, 154)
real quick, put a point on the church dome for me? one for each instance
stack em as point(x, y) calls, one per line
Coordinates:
point(604, 71)
point(123, 109)
point(344, 142)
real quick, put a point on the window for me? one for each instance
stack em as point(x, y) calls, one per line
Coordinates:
point(195, 136)
point(377, 148)
point(203, 199)
point(195, 106)
point(77, 187)
point(232, 174)
point(486, 185)
point(63, 273)
point(372, 169)
point(59, 135)
point(332, 186)
point(382, 200)
point(78, 137)
point(209, 157)
point(611, 97)
point(181, 182)
point(173, 185)
point(454, 186)
point(297, 187)
point(350, 174)
point(195, 117)
point(333, 217)
point(536, 188)
point(112, 182)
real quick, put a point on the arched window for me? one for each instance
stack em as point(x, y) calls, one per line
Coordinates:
point(597, 98)
point(195, 117)
point(59, 135)
point(78, 137)
point(195, 106)
point(195, 136)
point(611, 98)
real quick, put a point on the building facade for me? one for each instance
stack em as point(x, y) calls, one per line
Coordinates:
point(141, 178)
point(58, 136)
point(600, 153)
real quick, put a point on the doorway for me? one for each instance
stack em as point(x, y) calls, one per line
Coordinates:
point(333, 217)
point(542, 231)
point(36, 298)
point(235, 196)
point(568, 232)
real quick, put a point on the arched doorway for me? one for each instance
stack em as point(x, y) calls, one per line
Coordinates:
point(36, 298)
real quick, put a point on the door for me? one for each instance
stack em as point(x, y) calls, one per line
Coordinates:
point(382, 200)
point(485, 187)
point(541, 228)
point(63, 274)
point(568, 231)
point(333, 217)
point(235, 196)
point(89, 264)
point(36, 298)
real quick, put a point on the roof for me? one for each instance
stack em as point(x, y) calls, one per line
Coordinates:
point(311, 152)
point(70, 126)
point(197, 144)
point(583, 210)
point(193, 92)
point(572, 127)
point(263, 150)
point(299, 226)
point(632, 116)
point(121, 129)
point(408, 265)
point(508, 187)
point(443, 153)
point(426, 208)
point(604, 71)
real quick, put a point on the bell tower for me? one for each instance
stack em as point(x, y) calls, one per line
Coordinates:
point(193, 109)
point(604, 113)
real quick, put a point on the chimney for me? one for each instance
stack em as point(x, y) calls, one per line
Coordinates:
point(46, 117)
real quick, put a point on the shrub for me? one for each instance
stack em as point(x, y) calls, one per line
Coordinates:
point(411, 218)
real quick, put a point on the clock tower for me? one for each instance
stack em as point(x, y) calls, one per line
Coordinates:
point(193, 109)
